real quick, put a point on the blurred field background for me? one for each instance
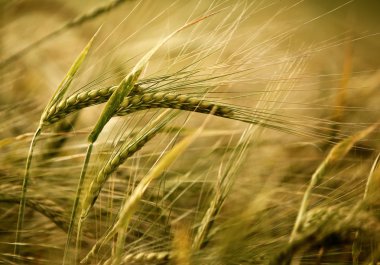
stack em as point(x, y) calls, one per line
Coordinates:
point(306, 71)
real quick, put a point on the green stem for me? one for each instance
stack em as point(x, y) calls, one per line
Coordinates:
point(20, 221)
point(76, 202)
point(78, 240)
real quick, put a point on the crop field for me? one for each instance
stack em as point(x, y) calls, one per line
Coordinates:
point(183, 132)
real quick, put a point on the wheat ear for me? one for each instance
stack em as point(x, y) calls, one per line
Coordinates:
point(320, 223)
point(336, 153)
point(146, 101)
point(110, 109)
point(153, 100)
point(58, 95)
point(125, 152)
point(130, 205)
point(367, 198)
point(112, 104)
point(221, 191)
point(44, 206)
point(156, 257)
point(82, 100)
point(161, 257)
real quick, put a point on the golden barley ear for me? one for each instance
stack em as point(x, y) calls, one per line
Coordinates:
point(131, 203)
point(336, 153)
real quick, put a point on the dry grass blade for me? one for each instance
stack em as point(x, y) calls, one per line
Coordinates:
point(336, 153)
point(372, 185)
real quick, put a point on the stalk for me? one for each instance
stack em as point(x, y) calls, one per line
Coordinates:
point(20, 221)
point(76, 202)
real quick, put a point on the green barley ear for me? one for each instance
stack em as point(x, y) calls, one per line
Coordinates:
point(125, 86)
point(114, 102)
point(58, 95)
point(66, 82)
point(129, 207)
point(336, 153)
point(125, 152)
point(111, 108)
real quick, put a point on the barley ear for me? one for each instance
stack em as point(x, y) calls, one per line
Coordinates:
point(368, 197)
point(129, 81)
point(220, 193)
point(130, 205)
point(66, 82)
point(126, 86)
point(371, 188)
point(113, 103)
point(58, 95)
point(125, 152)
point(336, 153)
point(117, 97)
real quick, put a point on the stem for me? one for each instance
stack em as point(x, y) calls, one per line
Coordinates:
point(119, 246)
point(76, 202)
point(78, 239)
point(20, 221)
point(305, 200)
